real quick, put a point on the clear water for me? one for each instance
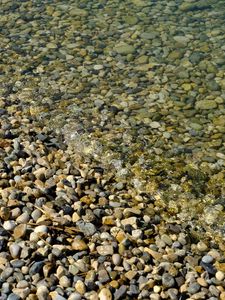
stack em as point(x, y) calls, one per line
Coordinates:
point(134, 86)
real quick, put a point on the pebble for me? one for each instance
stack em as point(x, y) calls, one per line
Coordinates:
point(41, 229)
point(105, 294)
point(14, 250)
point(120, 292)
point(167, 280)
point(207, 259)
point(42, 292)
point(116, 259)
point(9, 225)
point(220, 275)
point(79, 245)
point(64, 281)
point(80, 287)
point(105, 250)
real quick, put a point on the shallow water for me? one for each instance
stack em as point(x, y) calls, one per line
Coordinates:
point(134, 86)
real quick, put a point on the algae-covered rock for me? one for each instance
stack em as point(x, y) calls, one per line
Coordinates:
point(124, 48)
point(206, 104)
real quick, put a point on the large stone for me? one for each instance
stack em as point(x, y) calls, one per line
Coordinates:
point(206, 104)
point(124, 48)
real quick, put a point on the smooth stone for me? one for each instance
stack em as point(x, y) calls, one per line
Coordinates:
point(42, 292)
point(41, 229)
point(14, 250)
point(9, 225)
point(124, 48)
point(20, 231)
point(154, 125)
point(6, 273)
point(24, 218)
point(36, 268)
point(13, 296)
point(103, 276)
point(22, 293)
point(75, 296)
point(116, 259)
point(105, 294)
point(220, 275)
point(193, 288)
point(56, 296)
point(207, 259)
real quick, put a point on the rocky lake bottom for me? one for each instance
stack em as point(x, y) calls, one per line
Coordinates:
point(112, 150)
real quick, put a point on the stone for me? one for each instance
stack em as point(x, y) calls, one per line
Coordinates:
point(207, 259)
point(79, 245)
point(116, 259)
point(105, 294)
point(88, 229)
point(9, 225)
point(105, 250)
point(120, 293)
point(42, 292)
point(80, 287)
point(167, 280)
point(206, 104)
point(41, 229)
point(14, 250)
point(124, 48)
point(193, 288)
point(64, 282)
point(220, 275)
point(20, 231)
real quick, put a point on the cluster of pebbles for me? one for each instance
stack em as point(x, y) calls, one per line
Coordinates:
point(66, 234)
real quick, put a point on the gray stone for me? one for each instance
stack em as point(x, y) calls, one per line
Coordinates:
point(193, 288)
point(120, 292)
point(167, 280)
point(88, 229)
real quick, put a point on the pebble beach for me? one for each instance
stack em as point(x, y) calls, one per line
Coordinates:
point(112, 150)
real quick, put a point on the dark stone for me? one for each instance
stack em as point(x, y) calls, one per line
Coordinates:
point(208, 268)
point(36, 268)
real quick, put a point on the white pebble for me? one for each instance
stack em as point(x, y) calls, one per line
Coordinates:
point(220, 275)
point(41, 229)
point(9, 225)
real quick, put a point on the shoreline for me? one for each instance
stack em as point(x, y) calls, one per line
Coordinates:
point(65, 235)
